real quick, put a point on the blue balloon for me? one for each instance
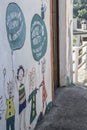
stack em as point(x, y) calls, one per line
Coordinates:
point(38, 35)
point(15, 25)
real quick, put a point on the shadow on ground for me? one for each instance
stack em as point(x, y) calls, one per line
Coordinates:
point(69, 111)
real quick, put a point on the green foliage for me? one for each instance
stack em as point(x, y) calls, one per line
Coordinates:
point(75, 10)
point(80, 9)
point(83, 1)
point(80, 1)
point(82, 14)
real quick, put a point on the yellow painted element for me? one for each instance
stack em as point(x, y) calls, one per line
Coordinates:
point(10, 111)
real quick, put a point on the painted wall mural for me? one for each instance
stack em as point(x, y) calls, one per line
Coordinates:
point(15, 25)
point(44, 91)
point(16, 28)
point(1, 107)
point(25, 85)
point(39, 41)
point(43, 8)
point(32, 96)
point(20, 83)
point(10, 109)
point(38, 37)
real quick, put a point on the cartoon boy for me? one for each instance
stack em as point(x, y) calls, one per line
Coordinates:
point(22, 95)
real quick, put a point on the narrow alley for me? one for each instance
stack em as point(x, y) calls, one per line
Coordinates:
point(69, 111)
point(43, 55)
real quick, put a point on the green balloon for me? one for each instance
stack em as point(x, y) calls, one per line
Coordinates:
point(38, 35)
point(15, 25)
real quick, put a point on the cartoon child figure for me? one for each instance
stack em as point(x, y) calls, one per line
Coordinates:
point(43, 8)
point(22, 95)
point(44, 91)
point(10, 110)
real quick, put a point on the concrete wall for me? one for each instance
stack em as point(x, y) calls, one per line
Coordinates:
point(69, 40)
point(62, 41)
point(65, 41)
point(25, 63)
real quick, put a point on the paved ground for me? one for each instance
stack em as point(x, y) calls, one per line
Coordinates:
point(69, 111)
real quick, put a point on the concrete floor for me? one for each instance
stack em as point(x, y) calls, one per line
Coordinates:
point(69, 111)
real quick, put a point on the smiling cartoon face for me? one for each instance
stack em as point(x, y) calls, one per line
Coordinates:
point(20, 74)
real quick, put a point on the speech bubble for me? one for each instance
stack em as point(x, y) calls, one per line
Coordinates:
point(38, 35)
point(15, 25)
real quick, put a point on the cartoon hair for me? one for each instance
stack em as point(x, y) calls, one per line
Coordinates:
point(20, 68)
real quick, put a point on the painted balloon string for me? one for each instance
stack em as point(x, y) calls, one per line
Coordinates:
point(12, 62)
point(4, 74)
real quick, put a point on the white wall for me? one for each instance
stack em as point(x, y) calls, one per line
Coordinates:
point(69, 40)
point(65, 41)
point(37, 84)
point(62, 41)
point(74, 23)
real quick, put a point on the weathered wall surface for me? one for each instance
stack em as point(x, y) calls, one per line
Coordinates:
point(65, 41)
point(25, 66)
point(69, 41)
point(62, 41)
